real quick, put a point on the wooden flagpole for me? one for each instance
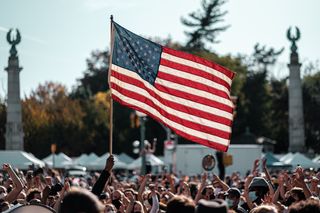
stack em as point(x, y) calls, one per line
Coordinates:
point(109, 73)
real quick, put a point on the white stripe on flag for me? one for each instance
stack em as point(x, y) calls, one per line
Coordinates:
point(194, 91)
point(197, 66)
point(169, 110)
point(175, 99)
point(171, 123)
point(192, 77)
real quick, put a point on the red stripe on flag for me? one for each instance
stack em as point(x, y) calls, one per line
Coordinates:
point(199, 60)
point(172, 117)
point(204, 142)
point(193, 97)
point(180, 107)
point(194, 71)
point(192, 84)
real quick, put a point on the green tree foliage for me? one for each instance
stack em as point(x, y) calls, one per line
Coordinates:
point(95, 76)
point(205, 24)
point(255, 95)
point(49, 116)
point(311, 100)
point(264, 57)
point(256, 104)
point(279, 114)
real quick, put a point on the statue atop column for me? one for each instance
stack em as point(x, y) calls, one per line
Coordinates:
point(294, 59)
point(296, 119)
point(13, 42)
point(14, 128)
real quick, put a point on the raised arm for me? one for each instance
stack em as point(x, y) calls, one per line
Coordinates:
point(170, 179)
point(266, 171)
point(104, 176)
point(155, 201)
point(18, 186)
point(64, 190)
point(217, 180)
point(301, 183)
point(143, 186)
point(131, 203)
point(154, 145)
point(202, 186)
point(255, 168)
point(246, 191)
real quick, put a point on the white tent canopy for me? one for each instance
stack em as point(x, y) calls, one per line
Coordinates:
point(100, 163)
point(300, 159)
point(86, 160)
point(61, 160)
point(81, 159)
point(286, 157)
point(19, 159)
point(152, 159)
point(316, 159)
point(125, 158)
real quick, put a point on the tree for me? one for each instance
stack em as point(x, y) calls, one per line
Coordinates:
point(50, 116)
point(257, 103)
point(95, 77)
point(311, 100)
point(279, 114)
point(264, 57)
point(204, 22)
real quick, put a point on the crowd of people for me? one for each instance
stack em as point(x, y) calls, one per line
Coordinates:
point(259, 191)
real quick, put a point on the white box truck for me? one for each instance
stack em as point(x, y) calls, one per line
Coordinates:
point(189, 158)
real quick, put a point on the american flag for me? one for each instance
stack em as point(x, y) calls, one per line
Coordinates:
point(187, 93)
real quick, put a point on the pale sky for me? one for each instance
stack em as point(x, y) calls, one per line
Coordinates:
point(58, 35)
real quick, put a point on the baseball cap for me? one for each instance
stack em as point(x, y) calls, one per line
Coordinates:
point(258, 182)
point(234, 192)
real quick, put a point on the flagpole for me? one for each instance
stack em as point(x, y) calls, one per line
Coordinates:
point(109, 73)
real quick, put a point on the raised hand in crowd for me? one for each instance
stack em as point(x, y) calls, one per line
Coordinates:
point(17, 183)
point(299, 181)
point(255, 168)
point(104, 177)
point(202, 187)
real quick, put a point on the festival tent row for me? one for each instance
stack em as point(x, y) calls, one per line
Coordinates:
point(123, 161)
point(100, 163)
point(125, 158)
point(91, 161)
point(60, 160)
point(274, 163)
point(85, 160)
point(152, 160)
point(20, 159)
point(299, 159)
point(295, 159)
point(23, 160)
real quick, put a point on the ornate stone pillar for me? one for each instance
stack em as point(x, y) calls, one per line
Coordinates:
point(14, 129)
point(296, 119)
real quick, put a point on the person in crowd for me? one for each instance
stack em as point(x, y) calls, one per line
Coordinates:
point(215, 205)
point(80, 200)
point(258, 191)
point(180, 203)
point(233, 199)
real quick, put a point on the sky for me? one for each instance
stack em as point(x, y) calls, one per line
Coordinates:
point(58, 35)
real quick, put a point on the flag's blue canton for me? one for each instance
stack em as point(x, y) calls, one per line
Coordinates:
point(135, 53)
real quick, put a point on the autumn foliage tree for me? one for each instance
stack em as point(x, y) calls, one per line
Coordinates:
point(50, 116)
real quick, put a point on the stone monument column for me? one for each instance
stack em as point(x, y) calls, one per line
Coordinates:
point(14, 130)
point(296, 120)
